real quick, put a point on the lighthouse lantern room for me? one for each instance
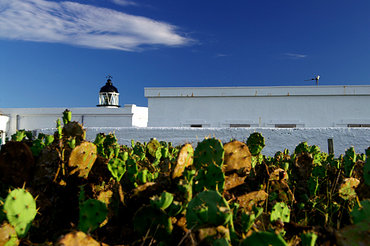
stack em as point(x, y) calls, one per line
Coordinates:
point(108, 95)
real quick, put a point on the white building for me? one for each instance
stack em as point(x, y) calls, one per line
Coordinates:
point(108, 113)
point(40, 118)
point(311, 113)
point(277, 107)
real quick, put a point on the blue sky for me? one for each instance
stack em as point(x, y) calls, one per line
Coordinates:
point(58, 53)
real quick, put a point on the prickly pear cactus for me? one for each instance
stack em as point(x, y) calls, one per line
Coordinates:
point(255, 142)
point(207, 209)
point(184, 159)
point(151, 221)
point(209, 151)
point(77, 238)
point(214, 178)
point(254, 198)
point(153, 146)
point(67, 116)
point(19, 136)
point(349, 161)
point(237, 156)
point(248, 218)
point(367, 167)
point(20, 209)
point(82, 159)
point(99, 142)
point(92, 214)
point(117, 168)
point(347, 189)
point(139, 150)
point(362, 213)
point(280, 211)
point(309, 239)
point(302, 148)
point(163, 201)
point(74, 130)
point(8, 235)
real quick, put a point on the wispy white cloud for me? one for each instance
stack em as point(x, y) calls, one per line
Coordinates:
point(83, 25)
point(295, 55)
point(221, 55)
point(124, 2)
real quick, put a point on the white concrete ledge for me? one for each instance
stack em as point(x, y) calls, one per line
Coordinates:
point(337, 90)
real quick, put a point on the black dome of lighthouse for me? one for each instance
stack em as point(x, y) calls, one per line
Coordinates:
point(108, 87)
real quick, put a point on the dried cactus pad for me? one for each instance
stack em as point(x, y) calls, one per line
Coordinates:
point(74, 129)
point(184, 159)
point(8, 235)
point(237, 155)
point(82, 158)
point(347, 189)
point(20, 209)
point(77, 238)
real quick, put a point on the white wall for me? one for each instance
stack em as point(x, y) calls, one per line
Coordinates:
point(3, 125)
point(276, 139)
point(305, 106)
point(37, 118)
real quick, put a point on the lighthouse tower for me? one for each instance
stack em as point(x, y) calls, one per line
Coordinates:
point(108, 95)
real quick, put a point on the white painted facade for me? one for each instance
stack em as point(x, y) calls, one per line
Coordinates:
point(313, 113)
point(37, 118)
point(3, 127)
point(284, 106)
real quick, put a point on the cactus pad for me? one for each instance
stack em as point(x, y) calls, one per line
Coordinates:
point(117, 168)
point(82, 159)
point(163, 201)
point(309, 239)
point(367, 167)
point(152, 220)
point(92, 214)
point(8, 235)
point(77, 238)
point(347, 189)
point(207, 152)
point(208, 209)
point(255, 142)
point(74, 129)
point(256, 198)
point(237, 156)
point(361, 213)
point(67, 116)
point(153, 146)
point(233, 180)
point(280, 211)
point(349, 161)
point(20, 209)
point(184, 159)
